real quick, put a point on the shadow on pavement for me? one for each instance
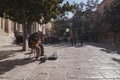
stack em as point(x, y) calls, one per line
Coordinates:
point(62, 45)
point(8, 65)
point(6, 53)
point(108, 48)
point(7, 46)
point(9, 50)
point(117, 60)
point(59, 45)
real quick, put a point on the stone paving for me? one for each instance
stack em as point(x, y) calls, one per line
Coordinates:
point(89, 62)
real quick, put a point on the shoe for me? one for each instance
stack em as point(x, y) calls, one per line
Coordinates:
point(36, 58)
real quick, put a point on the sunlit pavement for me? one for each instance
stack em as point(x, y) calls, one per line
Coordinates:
point(88, 62)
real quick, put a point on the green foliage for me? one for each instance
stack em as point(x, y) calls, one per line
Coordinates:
point(59, 27)
point(28, 11)
point(32, 10)
point(85, 16)
point(86, 19)
point(91, 5)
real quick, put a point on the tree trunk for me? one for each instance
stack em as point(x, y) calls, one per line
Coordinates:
point(114, 37)
point(25, 41)
point(29, 28)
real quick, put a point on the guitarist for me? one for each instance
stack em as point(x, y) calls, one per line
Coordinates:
point(35, 41)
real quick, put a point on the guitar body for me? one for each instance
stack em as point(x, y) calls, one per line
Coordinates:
point(36, 44)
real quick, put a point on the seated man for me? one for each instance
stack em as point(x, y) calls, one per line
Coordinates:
point(34, 42)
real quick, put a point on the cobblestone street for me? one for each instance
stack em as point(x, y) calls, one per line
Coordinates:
point(89, 62)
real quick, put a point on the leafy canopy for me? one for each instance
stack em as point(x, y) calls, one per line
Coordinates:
point(32, 10)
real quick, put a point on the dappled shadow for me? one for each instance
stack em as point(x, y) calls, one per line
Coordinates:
point(7, 65)
point(59, 45)
point(42, 60)
point(65, 44)
point(62, 45)
point(6, 53)
point(117, 60)
point(7, 46)
point(9, 50)
point(108, 48)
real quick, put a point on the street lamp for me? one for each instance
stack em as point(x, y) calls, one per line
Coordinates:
point(67, 33)
point(67, 30)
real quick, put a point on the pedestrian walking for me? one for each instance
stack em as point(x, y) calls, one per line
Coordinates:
point(81, 39)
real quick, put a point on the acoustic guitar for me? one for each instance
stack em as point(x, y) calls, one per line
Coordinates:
point(36, 43)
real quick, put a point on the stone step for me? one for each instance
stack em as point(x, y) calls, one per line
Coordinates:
point(6, 39)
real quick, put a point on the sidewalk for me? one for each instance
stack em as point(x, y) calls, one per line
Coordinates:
point(89, 62)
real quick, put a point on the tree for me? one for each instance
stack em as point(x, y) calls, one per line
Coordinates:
point(77, 21)
point(85, 18)
point(90, 19)
point(60, 26)
point(112, 17)
point(27, 11)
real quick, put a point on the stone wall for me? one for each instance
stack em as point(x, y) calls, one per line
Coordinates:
point(106, 35)
point(102, 6)
point(7, 30)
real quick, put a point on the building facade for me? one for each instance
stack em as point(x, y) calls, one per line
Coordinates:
point(9, 29)
point(102, 5)
point(106, 35)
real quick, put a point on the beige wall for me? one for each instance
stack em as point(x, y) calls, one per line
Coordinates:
point(45, 28)
point(11, 27)
point(2, 23)
point(6, 26)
